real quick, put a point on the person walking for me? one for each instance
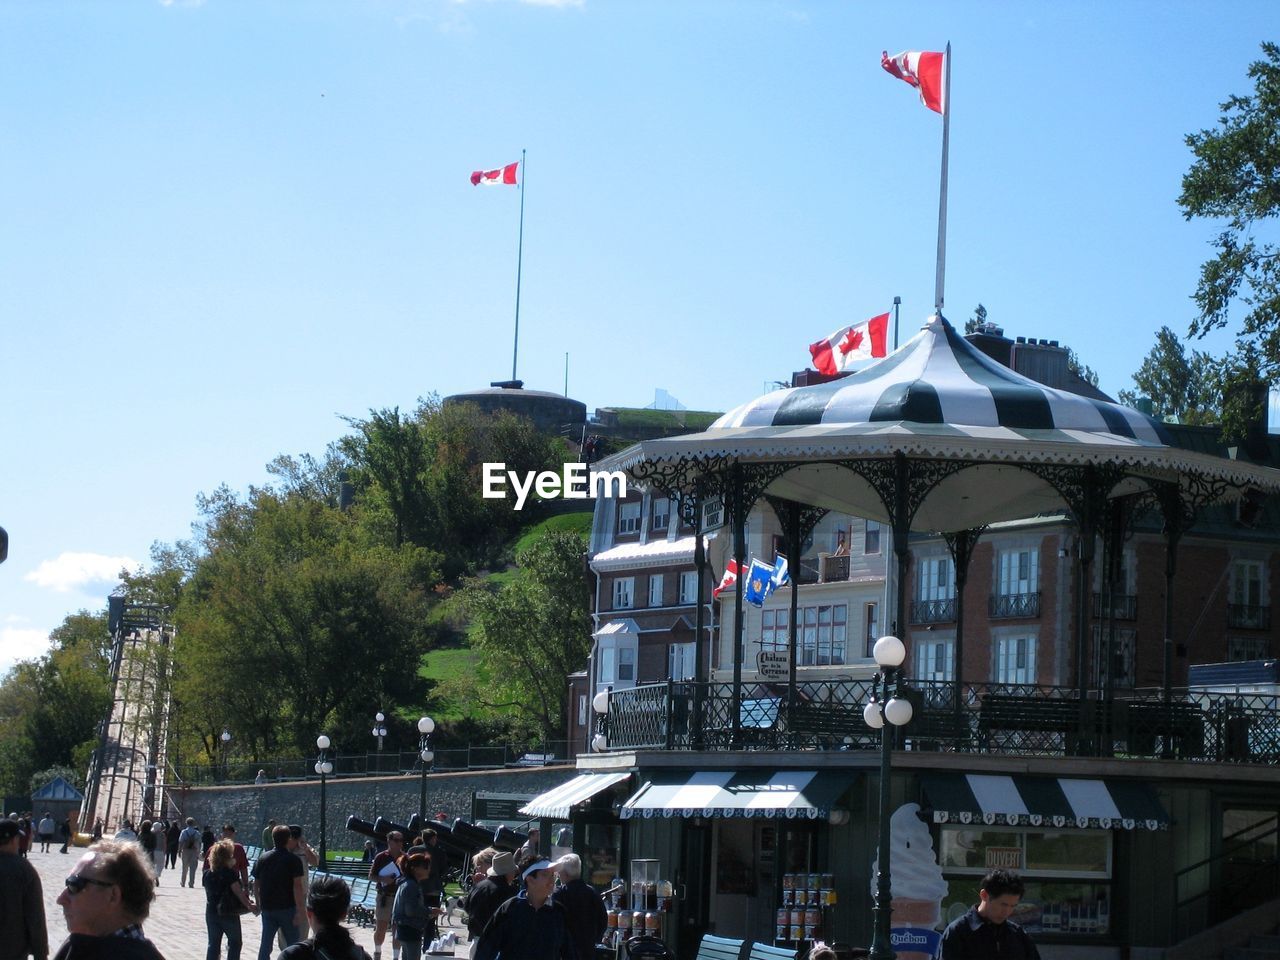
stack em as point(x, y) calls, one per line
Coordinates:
point(107, 897)
point(225, 901)
point(160, 847)
point(584, 910)
point(266, 835)
point(189, 850)
point(328, 901)
point(530, 926)
point(385, 873)
point(986, 930)
point(147, 838)
point(22, 926)
point(414, 912)
point(281, 895)
point(496, 888)
point(45, 830)
point(67, 828)
point(126, 831)
point(171, 842)
point(97, 830)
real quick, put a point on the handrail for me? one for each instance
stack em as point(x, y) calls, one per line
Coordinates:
point(1180, 905)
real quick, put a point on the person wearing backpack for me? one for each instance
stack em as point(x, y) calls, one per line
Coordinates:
point(189, 851)
point(327, 903)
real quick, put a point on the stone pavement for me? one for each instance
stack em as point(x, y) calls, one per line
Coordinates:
point(176, 925)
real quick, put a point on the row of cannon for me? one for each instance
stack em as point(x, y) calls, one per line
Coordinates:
point(460, 840)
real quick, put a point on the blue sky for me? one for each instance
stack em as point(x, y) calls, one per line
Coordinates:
point(228, 223)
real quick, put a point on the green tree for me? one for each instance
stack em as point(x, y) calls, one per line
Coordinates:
point(1081, 369)
point(978, 319)
point(1235, 182)
point(535, 630)
point(41, 777)
point(1179, 386)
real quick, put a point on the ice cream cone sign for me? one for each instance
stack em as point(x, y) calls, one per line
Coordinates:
point(916, 884)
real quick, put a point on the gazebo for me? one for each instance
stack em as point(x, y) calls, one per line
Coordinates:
point(938, 438)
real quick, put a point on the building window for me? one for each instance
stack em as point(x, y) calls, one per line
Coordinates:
point(1248, 648)
point(655, 590)
point(1122, 659)
point(935, 660)
point(935, 591)
point(822, 634)
point(1019, 572)
point(661, 512)
point(627, 665)
point(871, 542)
point(689, 586)
point(1248, 608)
point(1015, 660)
point(681, 661)
point(624, 593)
point(617, 661)
point(582, 709)
point(871, 614)
point(629, 517)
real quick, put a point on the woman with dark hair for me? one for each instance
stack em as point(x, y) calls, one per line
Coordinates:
point(327, 903)
point(414, 913)
point(171, 842)
point(148, 840)
point(225, 900)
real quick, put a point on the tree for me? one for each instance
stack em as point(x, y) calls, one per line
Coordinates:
point(1178, 386)
point(535, 630)
point(977, 320)
point(1081, 369)
point(1235, 180)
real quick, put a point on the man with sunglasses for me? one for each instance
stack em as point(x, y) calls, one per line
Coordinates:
point(22, 929)
point(107, 896)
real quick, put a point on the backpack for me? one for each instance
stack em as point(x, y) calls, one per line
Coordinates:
point(190, 842)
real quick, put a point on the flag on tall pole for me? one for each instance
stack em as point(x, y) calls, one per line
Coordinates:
point(510, 175)
point(930, 73)
point(848, 345)
point(728, 580)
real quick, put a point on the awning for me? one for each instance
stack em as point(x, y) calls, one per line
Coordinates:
point(1026, 800)
point(558, 802)
point(789, 793)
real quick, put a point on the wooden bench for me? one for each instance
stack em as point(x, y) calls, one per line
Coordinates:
point(1142, 721)
point(828, 723)
point(725, 948)
point(1022, 714)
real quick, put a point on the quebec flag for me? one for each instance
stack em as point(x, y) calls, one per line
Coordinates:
point(780, 577)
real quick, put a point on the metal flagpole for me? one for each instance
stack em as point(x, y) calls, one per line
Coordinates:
point(897, 302)
point(942, 193)
point(515, 352)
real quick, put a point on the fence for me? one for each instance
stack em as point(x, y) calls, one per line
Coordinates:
point(386, 763)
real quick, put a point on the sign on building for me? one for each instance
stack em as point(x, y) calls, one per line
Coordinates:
point(773, 664)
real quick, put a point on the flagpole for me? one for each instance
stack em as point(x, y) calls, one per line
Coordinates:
point(515, 351)
point(897, 302)
point(942, 193)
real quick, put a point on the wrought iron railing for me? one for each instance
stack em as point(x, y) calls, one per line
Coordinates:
point(1124, 606)
point(835, 569)
point(1249, 616)
point(933, 611)
point(1012, 605)
point(986, 718)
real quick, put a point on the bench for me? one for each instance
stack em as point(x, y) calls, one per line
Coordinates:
point(1022, 714)
point(725, 948)
point(830, 724)
point(1142, 721)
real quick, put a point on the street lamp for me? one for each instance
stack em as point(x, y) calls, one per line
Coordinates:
point(425, 726)
point(379, 730)
point(324, 767)
point(600, 704)
point(226, 753)
point(887, 709)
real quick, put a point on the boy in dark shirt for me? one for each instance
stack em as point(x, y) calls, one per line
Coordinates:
point(986, 930)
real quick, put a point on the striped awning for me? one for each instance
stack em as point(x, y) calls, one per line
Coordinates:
point(788, 793)
point(559, 802)
point(1026, 800)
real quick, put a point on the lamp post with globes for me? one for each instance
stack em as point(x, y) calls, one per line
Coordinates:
point(600, 705)
point(324, 767)
point(888, 709)
point(379, 731)
point(226, 753)
point(425, 726)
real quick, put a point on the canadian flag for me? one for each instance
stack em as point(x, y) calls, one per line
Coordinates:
point(494, 178)
point(922, 70)
point(728, 580)
point(846, 346)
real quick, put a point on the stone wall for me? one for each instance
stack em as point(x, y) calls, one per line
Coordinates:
point(249, 807)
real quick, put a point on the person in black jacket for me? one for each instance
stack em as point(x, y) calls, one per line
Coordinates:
point(584, 910)
point(489, 894)
point(986, 930)
point(529, 926)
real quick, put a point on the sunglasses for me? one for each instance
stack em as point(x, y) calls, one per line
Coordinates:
point(76, 883)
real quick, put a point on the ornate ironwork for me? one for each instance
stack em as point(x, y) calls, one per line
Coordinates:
point(933, 611)
point(673, 476)
point(1013, 605)
point(1249, 616)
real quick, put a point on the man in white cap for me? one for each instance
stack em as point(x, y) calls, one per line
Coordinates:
point(530, 926)
point(584, 910)
point(489, 894)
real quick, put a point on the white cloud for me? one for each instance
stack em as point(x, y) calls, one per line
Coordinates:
point(70, 570)
point(21, 644)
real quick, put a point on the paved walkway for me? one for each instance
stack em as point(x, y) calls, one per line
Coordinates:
point(176, 925)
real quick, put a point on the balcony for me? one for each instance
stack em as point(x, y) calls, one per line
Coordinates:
point(1124, 606)
point(835, 569)
point(933, 611)
point(990, 718)
point(1009, 606)
point(1248, 616)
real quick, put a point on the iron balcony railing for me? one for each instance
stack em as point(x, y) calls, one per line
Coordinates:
point(1248, 616)
point(985, 718)
point(933, 611)
point(835, 569)
point(1124, 606)
point(1014, 605)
